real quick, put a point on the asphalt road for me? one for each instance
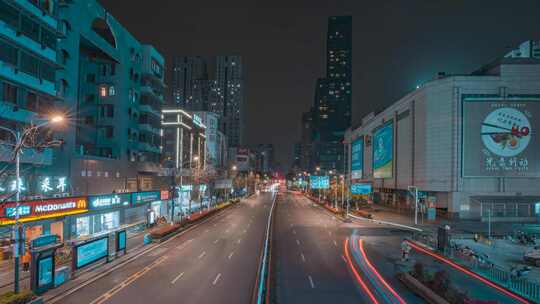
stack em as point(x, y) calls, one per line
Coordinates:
point(309, 264)
point(308, 261)
point(216, 262)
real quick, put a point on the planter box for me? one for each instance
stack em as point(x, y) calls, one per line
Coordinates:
point(420, 289)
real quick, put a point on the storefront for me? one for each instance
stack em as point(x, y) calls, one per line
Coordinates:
point(41, 217)
point(143, 207)
point(106, 213)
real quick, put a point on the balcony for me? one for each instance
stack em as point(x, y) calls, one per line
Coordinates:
point(10, 72)
point(9, 111)
point(29, 44)
point(148, 90)
point(148, 128)
point(148, 109)
point(38, 12)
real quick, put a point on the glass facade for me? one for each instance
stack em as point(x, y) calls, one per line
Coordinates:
point(96, 223)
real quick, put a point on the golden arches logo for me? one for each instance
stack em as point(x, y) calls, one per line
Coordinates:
point(81, 203)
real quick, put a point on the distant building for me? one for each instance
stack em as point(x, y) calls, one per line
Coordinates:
point(230, 98)
point(189, 74)
point(215, 148)
point(264, 158)
point(331, 113)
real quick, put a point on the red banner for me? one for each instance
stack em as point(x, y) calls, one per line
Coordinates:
point(42, 209)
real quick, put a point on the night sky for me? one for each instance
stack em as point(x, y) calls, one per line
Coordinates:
point(397, 45)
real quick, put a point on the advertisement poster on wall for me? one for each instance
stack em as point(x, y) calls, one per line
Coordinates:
point(357, 158)
point(361, 189)
point(383, 151)
point(499, 138)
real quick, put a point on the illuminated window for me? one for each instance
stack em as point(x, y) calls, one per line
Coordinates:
point(103, 91)
point(112, 91)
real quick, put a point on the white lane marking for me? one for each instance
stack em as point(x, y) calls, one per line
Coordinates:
point(245, 231)
point(291, 225)
point(216, 279)
point(311, 282)
point(227, 231)
point(294, 231)
point(239, 240)
point(230, 255)
point(335, 243)
point(344, 259)
point(303, 257)
point(217, 240)
point(298, 242)
point(202, 254)
point(207, 230)
point(177, 278)
point(330, 233)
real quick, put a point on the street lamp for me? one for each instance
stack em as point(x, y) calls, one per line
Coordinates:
point(20, 139)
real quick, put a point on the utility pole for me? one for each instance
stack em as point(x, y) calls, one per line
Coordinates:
point(414, 189)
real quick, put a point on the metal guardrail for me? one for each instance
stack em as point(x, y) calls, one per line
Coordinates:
point(263, 275)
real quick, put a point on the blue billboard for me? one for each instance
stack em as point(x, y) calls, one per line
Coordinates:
point(360, 189)
point(91, 252)
point(357, 158)
point(319, 182)
point(383, 151)
point(138, 198)
point(121, 240)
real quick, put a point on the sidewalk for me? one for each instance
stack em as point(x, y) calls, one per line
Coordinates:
point(134, 242)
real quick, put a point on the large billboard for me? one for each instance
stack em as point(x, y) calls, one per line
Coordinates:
point(499, 138)
point(383, 151)
point(361, 189)
point(319, 182)
point(357, 158)
point(90, 252)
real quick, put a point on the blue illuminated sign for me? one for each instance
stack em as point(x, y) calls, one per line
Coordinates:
point(361, 189)
point(109, 201)
point(145, 197)
point(319, 182)
point(45, 271)
point(92, 251)
point(23, 210)
point(120, 240)
point(383, 149)
point(357, 158)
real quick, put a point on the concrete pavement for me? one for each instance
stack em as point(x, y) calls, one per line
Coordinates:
point(214, 263)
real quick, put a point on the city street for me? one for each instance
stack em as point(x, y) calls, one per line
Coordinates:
point(214, 263)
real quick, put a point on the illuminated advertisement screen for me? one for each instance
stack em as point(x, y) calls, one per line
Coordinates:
point(42, 209)
point(319, 182)
point(360, 189)
point(121, 240)
point(499, 138)
point(45, 271)
point(383, 149)
point(92, 251)
point(107, 201)
point(357, 158)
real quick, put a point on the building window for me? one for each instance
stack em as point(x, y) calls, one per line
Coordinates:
point(103, 91)
point(9, 93)
point(112, 92)
point(91, 78)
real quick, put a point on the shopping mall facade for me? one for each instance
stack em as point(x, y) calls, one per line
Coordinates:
point(469, 143)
